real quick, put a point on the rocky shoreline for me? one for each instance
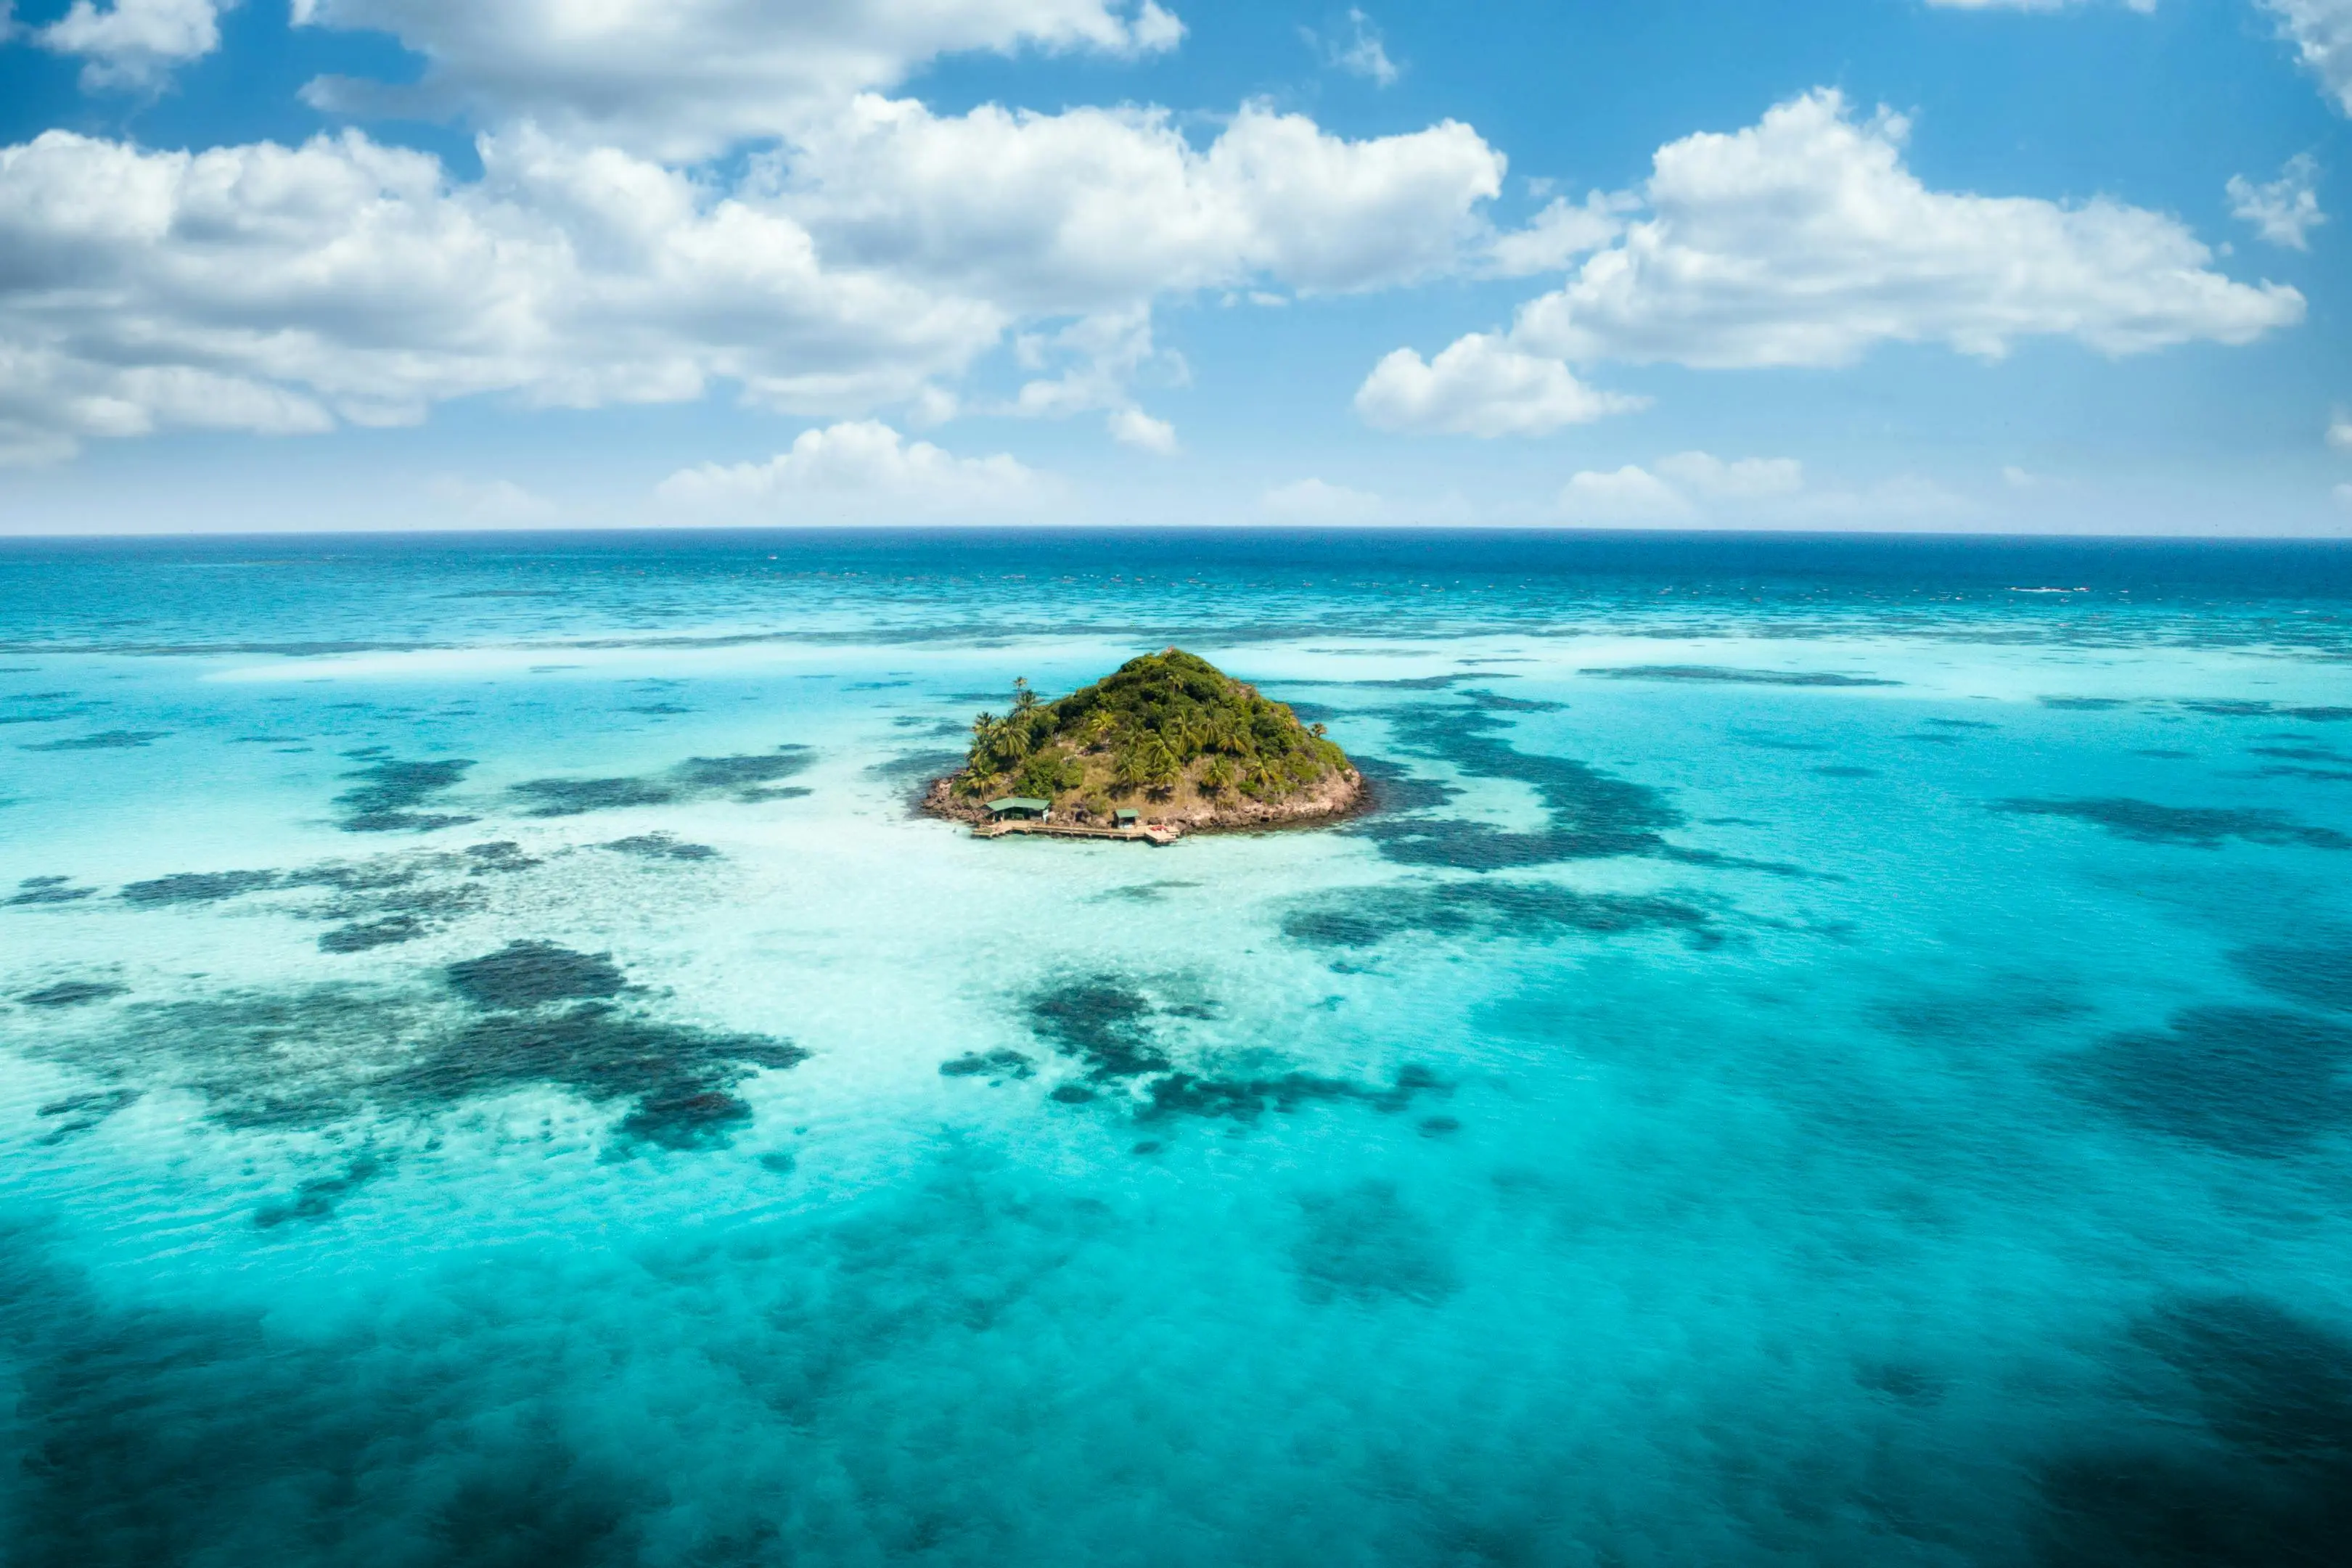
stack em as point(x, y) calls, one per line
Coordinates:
point(1342, 796)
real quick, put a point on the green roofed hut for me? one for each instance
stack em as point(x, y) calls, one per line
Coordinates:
point(1125, 817)
point(1020, 808)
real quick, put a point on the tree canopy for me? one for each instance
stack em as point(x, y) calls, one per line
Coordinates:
point(1160, 725)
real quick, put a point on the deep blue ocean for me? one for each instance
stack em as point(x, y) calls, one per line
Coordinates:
point(1830, 1051)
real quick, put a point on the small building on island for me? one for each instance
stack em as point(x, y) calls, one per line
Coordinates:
point(1125, 817)
point(1020, 809)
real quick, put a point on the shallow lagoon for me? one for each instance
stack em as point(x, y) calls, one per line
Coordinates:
point(1824, 1057)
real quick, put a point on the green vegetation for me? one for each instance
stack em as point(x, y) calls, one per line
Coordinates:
point(1169, 727)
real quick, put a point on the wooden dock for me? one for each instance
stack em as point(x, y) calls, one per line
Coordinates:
point(1151, 833)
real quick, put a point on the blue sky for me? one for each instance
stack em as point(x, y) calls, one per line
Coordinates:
point(2071, 266)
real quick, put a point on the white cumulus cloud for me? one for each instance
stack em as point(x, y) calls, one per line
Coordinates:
point(2339, 430)
point(1094, 208)
point(1627, 495)
point(1363, 52)
point(285, 289)
point(862, 471)
point(1481, 386)
point(1133, 427)
point(1317, 501)
point(133, 43)
point(2284, 211)
point(1559, 235)
point(1687, 486)
point(1740, 479)
point(1804, 240)
point(2321, 31)
point(491, 503)
point(282, 289)
point(684, 78)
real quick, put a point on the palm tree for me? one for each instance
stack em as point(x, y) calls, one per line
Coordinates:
point(1024, 699)
point(1223, 732)
point(1161, 768)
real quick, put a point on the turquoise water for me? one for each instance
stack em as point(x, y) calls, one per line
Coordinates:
point(1830, 1051)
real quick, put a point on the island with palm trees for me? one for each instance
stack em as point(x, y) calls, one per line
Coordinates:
point(1168, 740)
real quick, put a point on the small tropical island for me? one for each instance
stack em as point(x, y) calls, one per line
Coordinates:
point(1168, 743)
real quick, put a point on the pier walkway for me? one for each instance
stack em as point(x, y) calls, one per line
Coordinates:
point(1151, 833)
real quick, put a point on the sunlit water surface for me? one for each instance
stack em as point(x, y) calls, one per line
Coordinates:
point(1828, 1053)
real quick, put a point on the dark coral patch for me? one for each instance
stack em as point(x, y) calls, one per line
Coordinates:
point(1418, 683)
point(678, 1078)
point(317, 1057)
point(913, 770)
point(104, 740)
point(154, 1435)
point(1715, 675)
point(747, 781)
point(358, 938)
point(198, 887)
point(317, 1199)
point(78, 1113)
point(660, 847)
point(73, 994)
point(503, 855)
point(1360, 917)
point(691, 1111)
point(578, 796)
point(1592, 815)
point(2316, 976)
point(2246, 1461)
point(2240, 709)
point(2195, 827)
point(388, 791)
point(1109, 1028)
point(2244, 1080)
point(527, 974)
point(1103, 1023)
point(1495, 702)
point(1002, 1063)
point(50, 890)
point(1246, 1099)
point(1394, 788)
